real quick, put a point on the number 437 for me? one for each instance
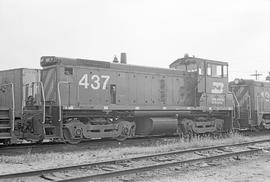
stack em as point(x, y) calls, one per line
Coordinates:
point(97, 81)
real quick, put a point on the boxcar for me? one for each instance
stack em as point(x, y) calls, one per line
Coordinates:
point(16, 85)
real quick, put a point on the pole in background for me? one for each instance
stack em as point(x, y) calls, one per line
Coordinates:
point(256, 74)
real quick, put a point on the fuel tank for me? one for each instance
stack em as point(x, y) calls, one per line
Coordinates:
point(156, 125)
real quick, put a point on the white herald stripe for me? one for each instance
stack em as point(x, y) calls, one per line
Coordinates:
point(48, 95)
point(47, 78)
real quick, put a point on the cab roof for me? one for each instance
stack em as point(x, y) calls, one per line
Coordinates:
point(187, 60)
point(249, 82)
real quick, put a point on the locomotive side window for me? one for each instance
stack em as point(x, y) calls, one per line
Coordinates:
point(113, 94)
point(217, 71)
point(225, 71)
point(68, 71)
point(192, 68)
point(181, 67)
point(200, 70)
point(209, 70)
point(214, 70)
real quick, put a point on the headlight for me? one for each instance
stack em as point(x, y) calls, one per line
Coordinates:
point(236, 81)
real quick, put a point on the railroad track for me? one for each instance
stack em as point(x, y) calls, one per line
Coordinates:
point(125, 166)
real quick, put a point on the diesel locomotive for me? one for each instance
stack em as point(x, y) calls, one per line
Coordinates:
point(253, 103)
point(72, 100)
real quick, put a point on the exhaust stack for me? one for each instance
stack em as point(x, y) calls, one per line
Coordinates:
point(123, 58)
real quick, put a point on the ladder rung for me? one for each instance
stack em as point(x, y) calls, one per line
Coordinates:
point(4, 109)
point(5, 135)
point(48, 126)
point(5, 127)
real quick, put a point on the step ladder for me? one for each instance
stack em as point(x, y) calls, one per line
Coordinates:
point(244, 119)
point(7, 116)
point(5, 124)
point(49, 129)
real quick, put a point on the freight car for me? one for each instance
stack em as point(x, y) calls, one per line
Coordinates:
point(14, 85)
point(76, 99)
point(253, 99)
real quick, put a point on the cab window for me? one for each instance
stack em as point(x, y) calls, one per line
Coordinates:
point(200, 70)
point(209, 71)
point(181, 67)
point(217, 71)
point(214, 70)
point(225, 71)
point(68, 71)
point(192, 68)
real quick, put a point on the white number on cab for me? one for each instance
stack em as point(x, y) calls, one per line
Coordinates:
point(84, 81)
point(96, 81)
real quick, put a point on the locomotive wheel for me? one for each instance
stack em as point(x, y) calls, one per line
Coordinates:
point(127, 131)
point(6, 142)
point(123, 136)
point(69, 139)
point(39, 141)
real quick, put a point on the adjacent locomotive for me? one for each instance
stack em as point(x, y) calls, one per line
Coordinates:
point(77, 99)
point(253, 103)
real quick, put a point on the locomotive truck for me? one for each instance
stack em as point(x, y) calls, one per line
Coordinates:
point(77, 99)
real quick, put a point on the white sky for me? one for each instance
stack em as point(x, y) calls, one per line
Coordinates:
point(151, 32)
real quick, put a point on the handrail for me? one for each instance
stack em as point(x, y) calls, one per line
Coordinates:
point(234, 111)
point(237, 103)
point(44, 102)
point(249, 103)
point(13, 106)
point(59, 97)
point(13, 102)
point(257, 108)
point(234, 96)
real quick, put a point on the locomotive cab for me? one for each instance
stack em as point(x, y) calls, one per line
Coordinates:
point(212, 80)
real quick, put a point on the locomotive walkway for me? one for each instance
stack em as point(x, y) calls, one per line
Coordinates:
point(125, 166)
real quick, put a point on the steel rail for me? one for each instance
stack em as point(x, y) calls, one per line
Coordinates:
point(73, 167)
point(111, 174)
